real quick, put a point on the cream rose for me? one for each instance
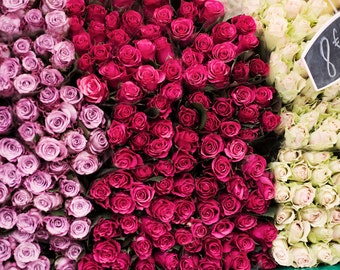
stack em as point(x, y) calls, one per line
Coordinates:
point(302, 194)
point(301, 172)
point(322, 252)
point(289, 155)
point(302, 256)
point(320, 175)
point(314, 158)
point(282, 193)
point(322, 139)
point(284, 216)
point(280, 252)
point(320, 234)
point(289, 85)
point(296, 137)
point(316, 216)
point(298, 231)
point(327, 196)
point(281, 171)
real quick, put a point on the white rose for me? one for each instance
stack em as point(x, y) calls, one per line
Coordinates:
point(273, 10)
point(320, 22)
point(299, 29)
point(302, 194)
point(330, 123)
point(282, 193)
point(323, 252)
point(302, 256)
point(335, 248)
point(293, 7)
point(281, 170)
point(330, 94)
point(298, 231)
point(316, 216)
point(301, 172)
point(333, 217)
point(275, 32)
point(309, 119)
point(336, 233)
point(289, 155)
point(300, 68)
point(287, 121)
point(314, 158)
point(277, 67)
point(320, 234)
point(289, 86)
point(334, 165)
point(320, 175)
point(289, 52)
point(327, 196)
point(251, 6)
point(280, 252)
point(284, 216)
point(314, 9)
point(335, 180)
point(322, 140)
point(296, 137)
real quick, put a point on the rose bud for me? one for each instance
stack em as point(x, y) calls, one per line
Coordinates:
point(57, 23)
point(5, 119)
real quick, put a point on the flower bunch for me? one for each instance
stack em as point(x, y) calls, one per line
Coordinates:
point(47, 134)
point(285, 28)
point(307, 189)
point(185, 187)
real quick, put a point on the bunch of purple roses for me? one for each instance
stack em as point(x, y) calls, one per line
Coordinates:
point(48, 135)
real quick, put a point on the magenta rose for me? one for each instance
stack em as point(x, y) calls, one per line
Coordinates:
point(249, 114)
point(164, 50)
point(142, 246)
point(223, 107)
point(148, 77)
point(211, 146)
point(172, 91)
point(158, 148)
point(184, 185)
point(225, 52)
point(131, 21)
point(230, 129)
point(187, 117)
point(139, 122)
point(105, 229)
point(106, 252)
point(129, 56)
point(183, 161)
point(186, 139)
point(147, 49)
point(94, 90)
point(126, 159)
point(142, 195)
point(237, 260)
point(143, 172)
point(184, 210)
point(221, 168)
point(153, 227)
point(200, 97)
point(264, 233)
point(172, 69)
point(213, 247)
point(218, 73)
point(188, 10)
point(162, 16)
point(240, 72)
point(236, 150)
point(100, 192)
point(206, 187)
point(230, 204)
point(211, 11)
point(223, 32)
point(196, 76)
point(253, 166)
point(209, 211)
point(191, 57)
point(266, 187)
point(236, 185)
point(244, 242)
point(122, 203)
point(222, 228)
point(129, 224)
point(119, 179)
point(269, 121)
point(162, 209)
point(245, 222)
point(198, 229)
point(256, 203)
point(182, 29)
point(183, 236)
point(165, 242)
point(165, 186)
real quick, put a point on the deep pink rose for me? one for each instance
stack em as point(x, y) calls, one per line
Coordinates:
point(131, 21)
point(164, 242)
point(129, 224)
point(142, 246)
point(106, 252)
point(138, 141)
point(123, 112)
point(122, 203)
point(165, 167)
point(244, 24)
point(258, 67)
point(203, 43)
point(269, 121)
point(236, 185)
point(148, 77)
point(183, 236)
point(162, 209)
point(249, 114)
point(222, 228)
point(147, 49)
point(236, 150)
point(185, 208)
point(158, 148)
point(230, 129)
point(142, 195)
point(129, 92)
point(264, 233)
point(211, 11)
point(266, 187)
point(187, 117)
point(237, 260)
point(223, 107)
point(206, 187)
point(150, 31)
point(213, 247)
point(184, 185)
point(247, 42)
point(129, 56)
point(172, 91)
point(182, 29)
point(186, 139)
point(164, 50)
point(198, 229)
point(253, 166)
point(240, 72)
point(244, 242)
point(106, 229)
point(223, 32)
point(218, 73)
point(256, 203)
point(188, 10)
point(209, 211)
point(153, 227)
point(100, 192)
point(126, 159)
point(119, 179)
point(264, 261)
point(94, 90)
point(112, 20)
point(162, 16)
point(200, 97)
point(213, 123)
point(172, 69)
point(190, 57)
point(183, 161)
point(196, 76)
point(211, 146)
point(225, 52)
point(245, 222)
point(221, 168)
point(165, 186)
point(118, 38)
point(230, 204)
point(118, 133)
point(143, 172)
point(162, 129)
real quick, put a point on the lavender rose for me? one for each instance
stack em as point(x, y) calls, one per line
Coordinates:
point(38, 182)
point(14, 5)
point(4, 192)
point(42, 263)
point(59, 243)
point(5, 119)
point(26, 109)
point(50, 5)
point(47, 201)
point(51, 77)
point(63, 55)
point(10, 149)
point(26, 252)
point(73, 252)
point(29, 131)
point(92, 116)
point(21, 46)
point(34, 20)
point(70, 94)
point(44, 44)
point(10, 67)
point(28, 222)
point(63, 263)
point(20, 236)
point(6, 86)
point(57, 121)
point(58, 168)
point(49, 97)
point(51, 149)
point(57, 23)
point(10, 25)
point(75, 141)
point(5, 249)
point(56, 225)
point(10, 175)
point(21, 198)
point(78, 207)
point(85, 163)
point(98, 142)
point(69, 188)
point(28, 164)
point(80, 228)
point(8, 218)
point(26, 83)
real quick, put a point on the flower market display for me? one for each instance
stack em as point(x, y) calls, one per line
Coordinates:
point(307, 166)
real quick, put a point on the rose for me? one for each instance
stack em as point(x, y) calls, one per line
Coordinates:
point(253, 166)
point(92, 116)
point(184, 210)
point(126, 159)
point(281, 252)
point(10, 149)
point(200, 97)
point(213, 247)
point(69, 188)
point(5, 119)
point(96, 12)
point(196, 76)
point(29, 221)
point(142, 195)
point(152, 227)
point(225, 52)
point(244, 24)
point(187, 117)
point(183, 236)
point(323, 252)
point(164, 50)
point(117, 133)
point(194, 247)
point(56, 225)
point(92, 88)
point(166, 260)
point(112, 20)
point(190, 57)
point(98, 142)
point(76, 24)
point(302, 194)
point(264, 233)
point(142, 246)
point(122, 203)
point(182, 29)
point(10, 67)
point(158, 148)
point(6, 86)
point(211, 11)
point(172, 69)
point(247, 42)
point(47, 201)
point(26, 252)
point(211, 146)
point(145, 264)
point(14, 6)
point(316, 216)
point(57, 23)
point(230, 129)
point(4, 193)
point(118, 38)
point(165, 242)
point(162, 209)
point(209, 211)
point(163, 15)
point(105, 228)
point(147, 49)
point(223, 107)
point(164, 167)
point(85, 163)
point(203, 43)
point(38, 182)
point(74, 141)
point(44, 44)
point(222, 228)
point(10, 24)
point(51, 5)
point(143, 172)
point(183, 161)
point(119, 179)
point(269, 121)
point(78, 207)
point(82, 43)
point(49, 98)
point(63, 55)
point(282, 171)
point(218, 73)
point(131, 21)
point(8, 217)
point(10, 175)
point(245, 222)
point(80, 228)
point(186, 139)
point(236, 150)
point(165, 186)
point(237, 260)
point(100, 192)
point(57, 121)
point(184, 185)
point(87, 262)
point(129, 224)
point(148, 77)
point(327, 196)
point(73, 251)
point(5, 249)
point(223, 32)
point(21, 198)
point(188, 10)
point(58, 168)
point(240, 72)
point(26, 83)
point(301, 256)
point(244, 242)
point(264, 261)
point(51, 77)
point(298, 231)
point(129, 92)
point(206, 187)
point(106, 252)
point(129, 56)
point(320, 234)
point(230, 205)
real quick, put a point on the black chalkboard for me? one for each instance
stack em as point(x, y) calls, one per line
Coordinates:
point(322, 55)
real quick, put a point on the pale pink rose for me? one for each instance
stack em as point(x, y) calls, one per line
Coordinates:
point(63, 263)
point(29, 221)
point(21, 236)
point(29, 131)
point(44, 44)
point(73, 252)
point(75, 141)
point(21, 47)
point(4, 51)
point(80, 228)
point(14, 5)
point(57, 122)
point(5, 249)
point(26, 252)
point(11, 149)
point(8, 218)
point(51, 149)
point(10, 67)
point(26, 83)
point(69, 188)
point(70, 94)
point(42, 263)
point(31, 63)
point(57, 23)
point(38, 182)
point(10, 175)
point(85, 163)
point(49, 98)
point(63, 55)
point(28, 164)
point(57, 225)
point(98, 142)
point(92, 116)
point(26, 109)
point(78, 207)
point(51, 77)
point(6, 86)
point(50, 5)
point(302, 194)
point(59, 243)
point(34, 20)
point(47, 201)
point(21, 198)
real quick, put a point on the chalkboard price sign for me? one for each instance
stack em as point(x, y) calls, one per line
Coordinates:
point(322, 55)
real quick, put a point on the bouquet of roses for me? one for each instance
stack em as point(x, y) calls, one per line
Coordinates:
point(308, 219)
point(185, 187)
point(47, 134)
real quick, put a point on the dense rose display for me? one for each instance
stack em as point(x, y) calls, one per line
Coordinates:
point(184, 188)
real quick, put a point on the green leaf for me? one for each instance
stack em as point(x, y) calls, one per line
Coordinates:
point(155, 179)
point(202, 113)
point(85, 130)
point(104, 215)
point(152, 113)
point(58, 213)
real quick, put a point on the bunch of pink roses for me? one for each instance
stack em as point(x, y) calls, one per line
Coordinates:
point(48, 134)
point(186, 189)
